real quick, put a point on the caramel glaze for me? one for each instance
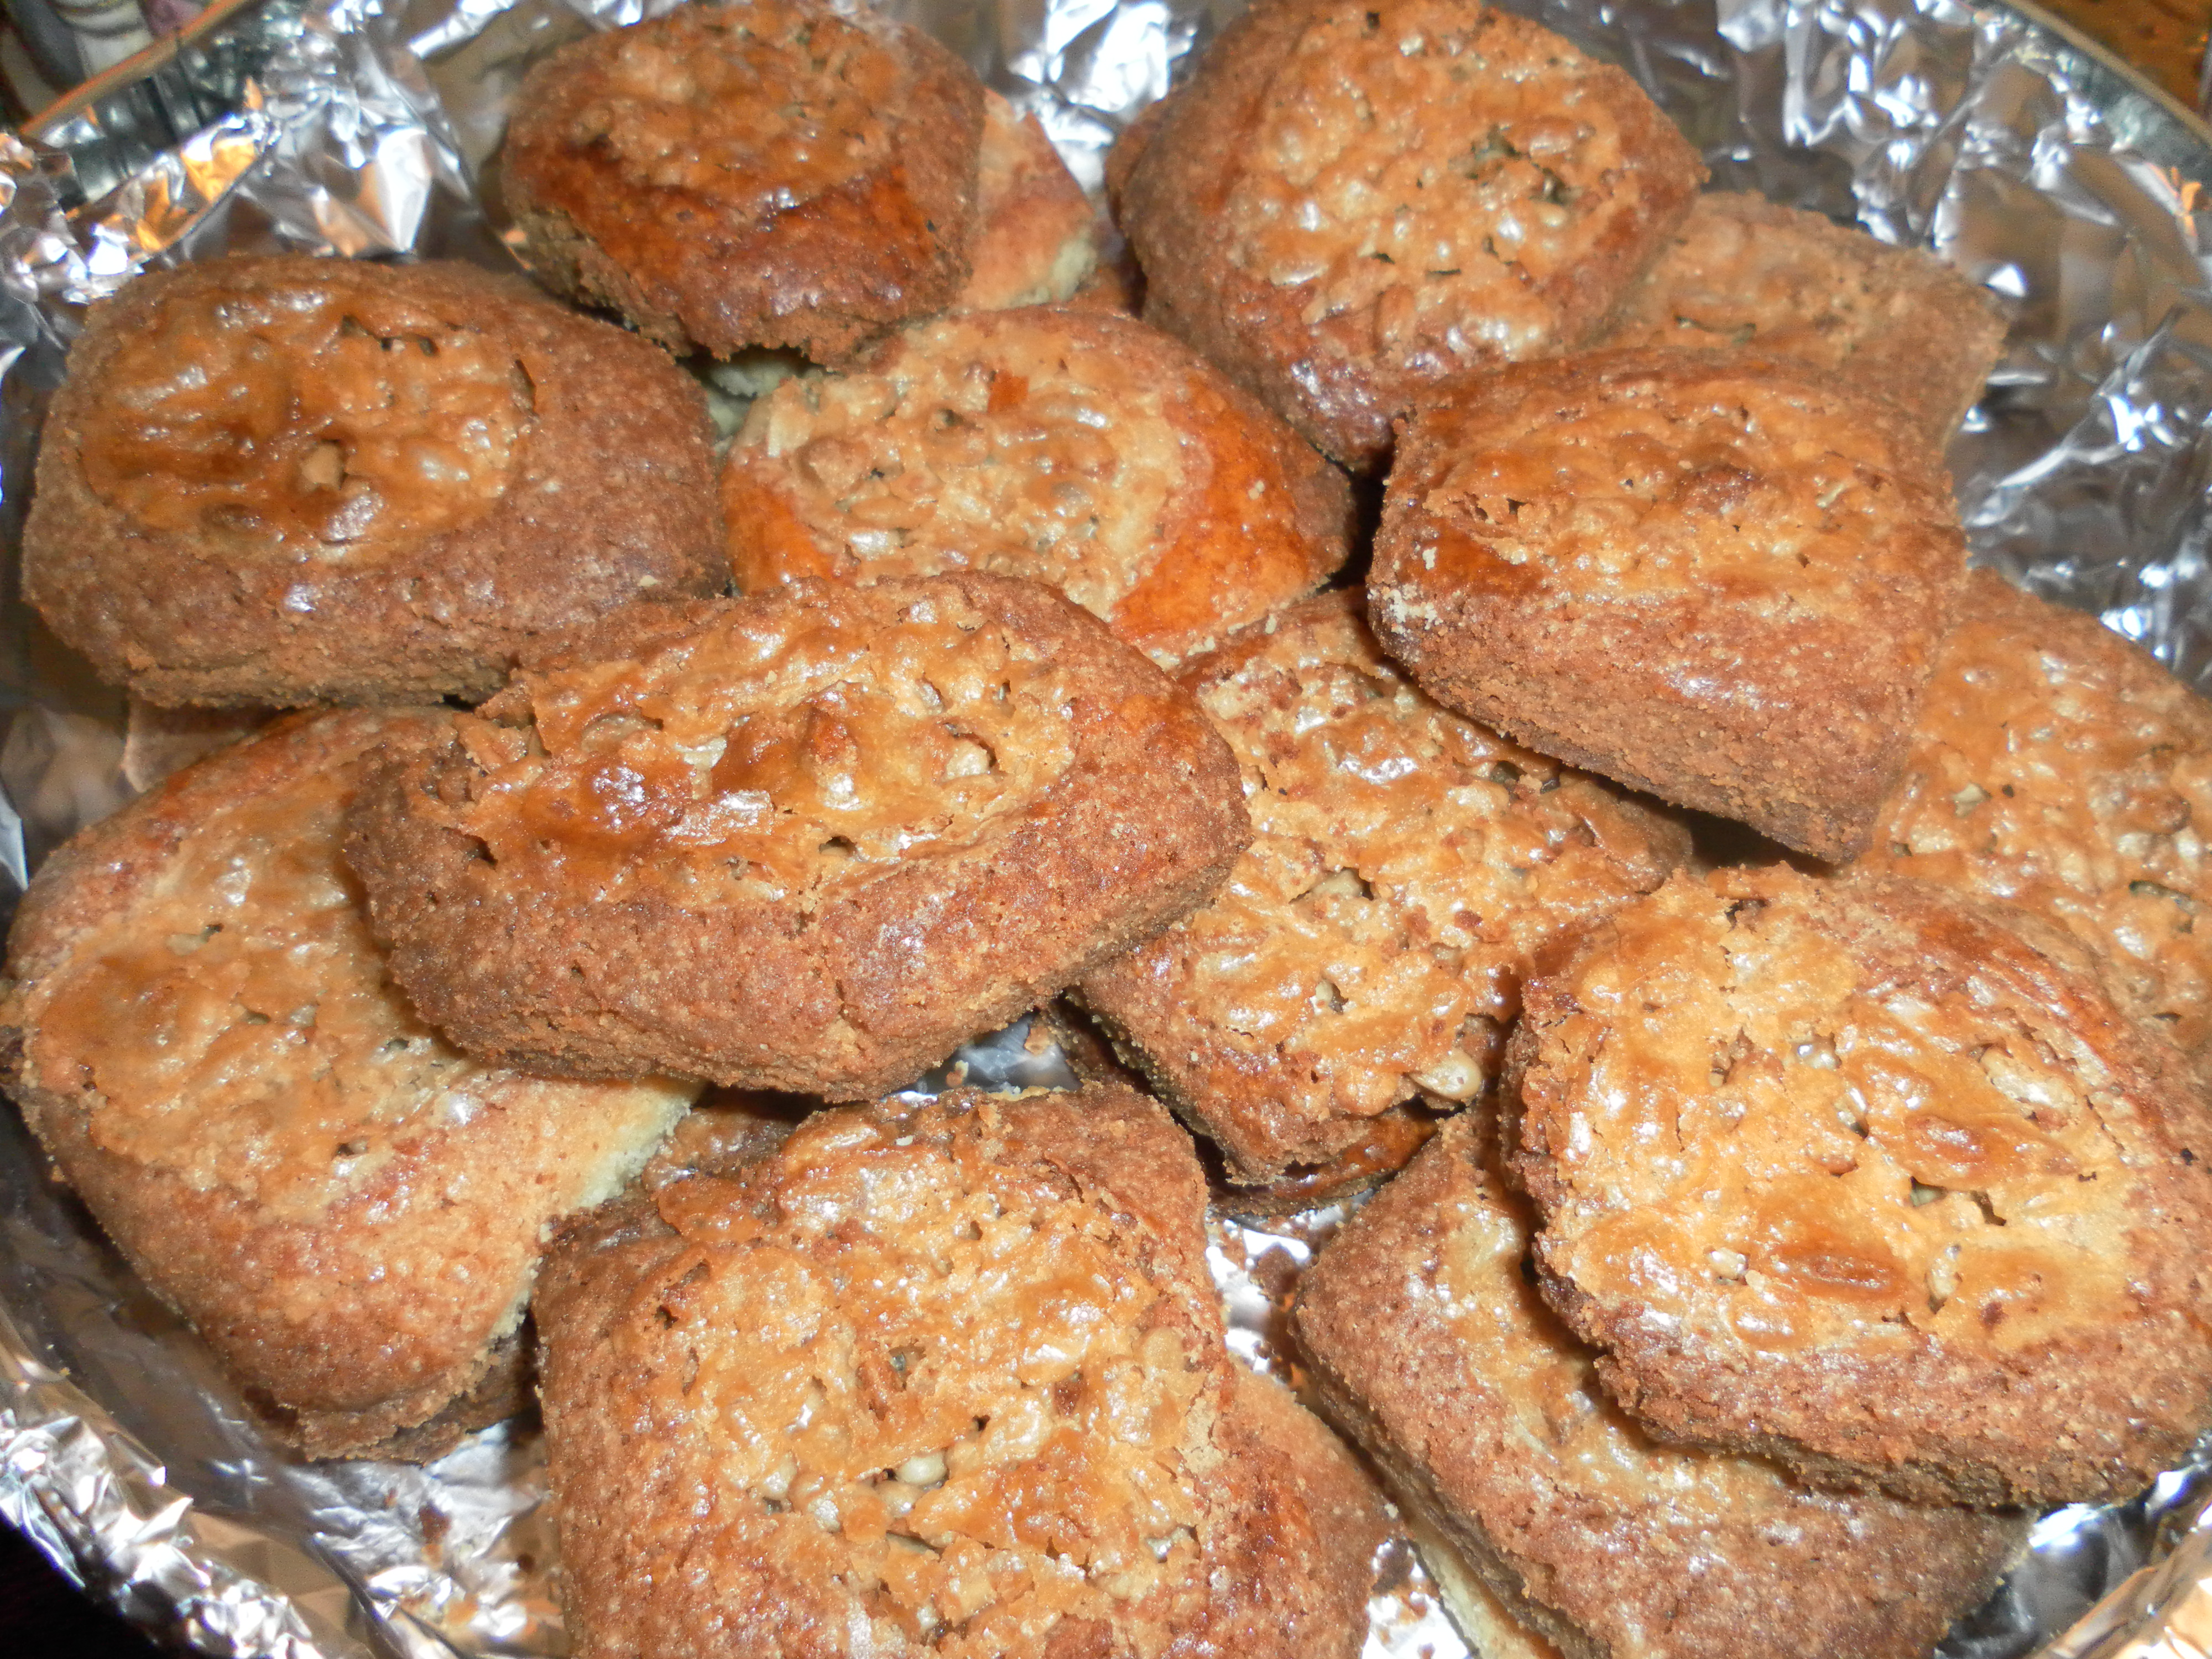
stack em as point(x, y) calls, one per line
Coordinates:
point(783, 754)
point(303, 424)
point(768, 174)
point(1868, 1139)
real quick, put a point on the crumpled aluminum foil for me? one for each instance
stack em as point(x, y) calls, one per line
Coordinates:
point(357, 127)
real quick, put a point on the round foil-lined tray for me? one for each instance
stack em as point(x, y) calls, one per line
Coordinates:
point(359, 128)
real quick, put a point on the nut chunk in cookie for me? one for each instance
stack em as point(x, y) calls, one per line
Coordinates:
point(1719, 579)
point(947, 1379)
point(2059, 767)
point(1487, 1418)
point(1352, 200)
point(202, 1032)
point(1368, 946)
point(1077, 449)
point(810, 841)
point(765, 172)
point(291, 481)
point(1874, 1179)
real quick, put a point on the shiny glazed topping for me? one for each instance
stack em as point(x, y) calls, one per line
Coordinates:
point(756, 109)
point(1422, 166)
point(779, 752)
point(236, 1023)
point(2056, 768)
point(1405, 864)
point(1764, 1145)
point(938, 1385)
point(1020, 449)
point(1759, 493)
point(300, 426)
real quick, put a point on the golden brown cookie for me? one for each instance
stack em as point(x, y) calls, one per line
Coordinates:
point(1486, 1417)
point(1368, 948)
point(1349, 203)
point(1720, 580)
point(767, 172)
point(1741, 271)
point(201, 1032)
point(2059, 766)
point(954, 1375)
point(1077, 449)
point(1037, 233)
point(1873, 1179)
point(810, 841)
point(295, 480)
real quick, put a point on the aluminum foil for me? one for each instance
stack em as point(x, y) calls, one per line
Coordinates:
point(361, 127)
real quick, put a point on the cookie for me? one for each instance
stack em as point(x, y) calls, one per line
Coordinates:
point(1872, 1179)
point(773, 172)
point(1741, 272)
point(202, 1033)
point(2057, 766)
point(956, 1378)
point(1074, 447)
point(294, 480)
point(1368, 948)
point(1347, 204)
point(1037, 233)
point(1543, 1504)
point(811, 840)
point(1723, 581)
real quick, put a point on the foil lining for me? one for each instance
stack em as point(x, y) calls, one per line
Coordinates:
point(361, 127)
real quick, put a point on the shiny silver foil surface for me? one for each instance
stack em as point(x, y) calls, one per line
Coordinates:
point(361, 127)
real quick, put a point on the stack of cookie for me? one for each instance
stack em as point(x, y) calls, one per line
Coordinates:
point(1794, 1220)
point(1779, 1267)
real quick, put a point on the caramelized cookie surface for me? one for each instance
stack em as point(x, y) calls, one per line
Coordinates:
point(1487, 1416)
point(1873, 1180)
point(346, 1208)
point(810, 841)
point(1367, 949)
point(1079, 449)
point(955, 1374)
